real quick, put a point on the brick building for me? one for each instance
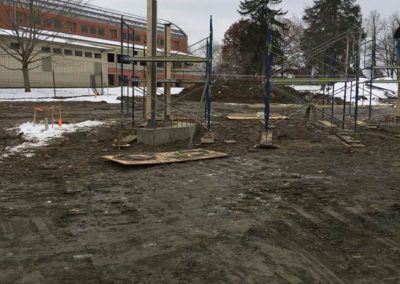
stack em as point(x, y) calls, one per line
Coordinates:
point(96, 34)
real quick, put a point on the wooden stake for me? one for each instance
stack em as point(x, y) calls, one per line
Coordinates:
point(34, 117)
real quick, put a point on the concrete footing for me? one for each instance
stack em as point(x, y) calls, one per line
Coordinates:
point(164, 135)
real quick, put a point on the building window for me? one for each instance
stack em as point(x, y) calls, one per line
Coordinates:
point(97, 55)
point(48, 22)
point(122, 59)
point(78, 53)
point(124, 35)
point(123, 80)
point(101, 31)
point(176, 45)
point(68, 52)
point(135, 83)
point(88, 54)
point(84, 29)
point(177, 65)
point(57, 24)
point(46, 49)
point(111, 80)
point(71, 27)
point(93, 30)
point(111, 57)
point(138, 38)
point(15, 45)
point(21, 18)
point(57, 50)
point(36, 21)
point(113, 34)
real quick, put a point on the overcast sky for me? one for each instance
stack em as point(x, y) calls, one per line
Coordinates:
point(193, 15)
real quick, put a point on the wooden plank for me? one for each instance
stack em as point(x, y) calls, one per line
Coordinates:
point(128, 139)
point(165, 157)
point(121, 145)
point(349, 139)
point(44, 230)
point(256, 106)
point(254, 116)
point(242, 116)
point(327, 124)
point(358, 145)
point(350, 142)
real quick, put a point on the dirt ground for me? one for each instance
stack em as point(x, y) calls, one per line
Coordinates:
point(312, 211)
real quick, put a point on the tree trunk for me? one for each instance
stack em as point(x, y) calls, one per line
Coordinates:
point(27, 83)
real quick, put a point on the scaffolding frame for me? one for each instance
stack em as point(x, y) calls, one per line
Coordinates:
point(151, 57)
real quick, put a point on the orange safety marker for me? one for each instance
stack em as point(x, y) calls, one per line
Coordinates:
point(60, 122)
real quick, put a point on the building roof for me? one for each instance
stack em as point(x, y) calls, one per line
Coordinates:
point(109, 15)
point(82, 41)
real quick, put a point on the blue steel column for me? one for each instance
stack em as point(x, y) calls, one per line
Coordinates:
point(357, 82)
point(210, 72)
point(122, 65)
point(133, 77)
point(267, 82)
point(207, 94)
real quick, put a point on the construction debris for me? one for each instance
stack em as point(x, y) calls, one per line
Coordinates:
point(266, 141)
point(349, 141)
point(165, 157)
point(208, 138)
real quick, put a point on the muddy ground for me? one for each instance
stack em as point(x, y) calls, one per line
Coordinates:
point(312, 211)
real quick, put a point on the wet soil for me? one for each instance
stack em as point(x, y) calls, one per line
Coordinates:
point(311, 211)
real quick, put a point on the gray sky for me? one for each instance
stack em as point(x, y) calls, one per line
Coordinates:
point(193, 15)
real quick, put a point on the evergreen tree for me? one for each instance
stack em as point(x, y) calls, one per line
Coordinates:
point(261, 15)
point(326, 20)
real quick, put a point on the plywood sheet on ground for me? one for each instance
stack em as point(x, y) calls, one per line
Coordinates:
point(350, 142)
point(327, 123)
point(254, 116)
point(165, 157)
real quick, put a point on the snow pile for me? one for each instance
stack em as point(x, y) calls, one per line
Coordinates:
point(110, 96)
point(382, 93)
point(37, 136)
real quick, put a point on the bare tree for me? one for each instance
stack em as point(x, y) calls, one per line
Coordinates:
point(374, 27)
point(26, 23)
point(388, 45)
point(292, 45)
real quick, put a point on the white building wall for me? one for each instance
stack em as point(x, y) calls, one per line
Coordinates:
point(69, 70)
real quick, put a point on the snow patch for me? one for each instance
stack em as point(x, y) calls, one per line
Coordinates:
point(382, 93)
point(110, 96)
point(37, 136)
